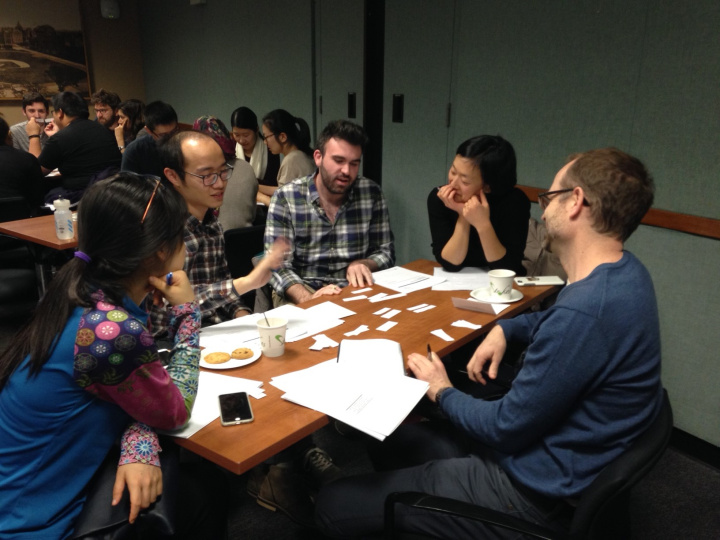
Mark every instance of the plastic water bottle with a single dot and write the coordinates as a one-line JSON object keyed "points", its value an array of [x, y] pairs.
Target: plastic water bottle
{"points": [[63, 219]]}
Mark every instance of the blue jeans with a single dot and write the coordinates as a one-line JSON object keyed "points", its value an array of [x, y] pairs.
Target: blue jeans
{"points": [[440, 463]]}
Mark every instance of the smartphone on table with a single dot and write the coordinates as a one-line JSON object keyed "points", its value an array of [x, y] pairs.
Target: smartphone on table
{"points": [[235, 409]]}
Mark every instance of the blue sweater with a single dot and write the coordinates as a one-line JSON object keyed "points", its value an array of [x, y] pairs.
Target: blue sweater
{"points": [[589, 386]]}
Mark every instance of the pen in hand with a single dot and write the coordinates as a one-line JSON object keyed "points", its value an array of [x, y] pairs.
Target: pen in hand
{"points": [[168, 278], [429, 353]]}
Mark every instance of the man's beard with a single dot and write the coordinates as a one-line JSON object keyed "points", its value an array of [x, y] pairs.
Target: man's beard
{"points": [[328, 182]]}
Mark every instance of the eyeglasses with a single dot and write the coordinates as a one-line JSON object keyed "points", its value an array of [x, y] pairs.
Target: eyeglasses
{"points": [[210, 179], [157, 185], [544, 198], [265, 137]]}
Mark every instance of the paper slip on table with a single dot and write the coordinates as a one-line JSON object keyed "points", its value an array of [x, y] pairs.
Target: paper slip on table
{"points": [[279, 423]]}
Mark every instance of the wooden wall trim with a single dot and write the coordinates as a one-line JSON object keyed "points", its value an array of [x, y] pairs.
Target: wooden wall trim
{"points": [[700, 226]]}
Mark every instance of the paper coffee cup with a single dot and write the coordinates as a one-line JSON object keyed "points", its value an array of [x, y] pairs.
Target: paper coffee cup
{"points": [[501, 284], [272, 336]]}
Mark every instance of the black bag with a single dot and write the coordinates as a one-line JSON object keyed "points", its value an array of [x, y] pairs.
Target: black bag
{"points": [[99, 520]]}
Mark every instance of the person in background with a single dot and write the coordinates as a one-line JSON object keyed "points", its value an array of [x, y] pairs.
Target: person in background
{"points": [[85, 372], [35, 108], [479, 218], [80, 149], [142, 155], [589, 386], [238, 208], [106, 106], [130, 122], [20, 174], [251, 148], [285, 134]]}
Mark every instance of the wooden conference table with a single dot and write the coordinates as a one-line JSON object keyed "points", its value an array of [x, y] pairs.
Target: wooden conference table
{"points": [[279, 423]]}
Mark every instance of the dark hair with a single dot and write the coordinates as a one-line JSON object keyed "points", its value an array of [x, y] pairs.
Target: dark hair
{"points": [[495, 159], [111, 99], [34, 97], [216, 129], [296, 129], [120, 246], [4, 130], [243, 118], [159, 113], [345, 131], [617, 186], [171, 150], [71, 104], [133, 109]]}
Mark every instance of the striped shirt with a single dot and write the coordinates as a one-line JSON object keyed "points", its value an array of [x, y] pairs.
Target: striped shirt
{"points": [[321, 250]]}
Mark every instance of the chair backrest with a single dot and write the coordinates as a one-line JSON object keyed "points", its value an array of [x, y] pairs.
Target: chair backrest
{"points": [[603, 508], [241, 245]]}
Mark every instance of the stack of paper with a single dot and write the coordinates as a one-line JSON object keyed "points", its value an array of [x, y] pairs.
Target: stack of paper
{"points": [[367, 388], [207, 408]]}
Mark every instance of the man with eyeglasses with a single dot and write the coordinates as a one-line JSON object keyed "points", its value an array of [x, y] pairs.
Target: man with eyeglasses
{"points": [[142, 156], [589, 386], [196, 167]]}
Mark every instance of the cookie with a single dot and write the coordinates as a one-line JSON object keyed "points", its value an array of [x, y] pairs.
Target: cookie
{"points": [[243, 353], [217, 358]]}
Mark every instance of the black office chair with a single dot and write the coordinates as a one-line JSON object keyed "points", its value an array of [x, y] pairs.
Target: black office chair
{"points": [[18, 280], [241, 245], [603, 509]]}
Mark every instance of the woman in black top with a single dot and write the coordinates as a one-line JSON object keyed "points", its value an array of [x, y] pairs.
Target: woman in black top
{"points": [[480, 218]]}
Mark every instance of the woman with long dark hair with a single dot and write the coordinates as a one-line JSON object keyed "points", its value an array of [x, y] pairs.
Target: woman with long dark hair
{"points": [[85, 370], [130, 122], [479, 218], [285, 134]]}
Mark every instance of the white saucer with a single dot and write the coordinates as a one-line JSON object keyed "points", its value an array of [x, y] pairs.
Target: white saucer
{"points": [[230, 364], [483, 295]]}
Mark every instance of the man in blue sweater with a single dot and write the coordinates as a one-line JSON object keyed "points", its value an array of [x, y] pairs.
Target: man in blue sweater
{"points": [[589, 386]]}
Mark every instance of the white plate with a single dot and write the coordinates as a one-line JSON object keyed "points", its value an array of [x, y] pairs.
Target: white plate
{"points": [[230, 364], [483, 294]]}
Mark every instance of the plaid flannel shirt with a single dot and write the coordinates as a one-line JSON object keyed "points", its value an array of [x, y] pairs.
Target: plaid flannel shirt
{"points": [[322, 250], [208, 272]]}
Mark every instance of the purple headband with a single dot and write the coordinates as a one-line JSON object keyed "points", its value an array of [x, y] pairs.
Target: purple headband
{"points": [[84, 256]]}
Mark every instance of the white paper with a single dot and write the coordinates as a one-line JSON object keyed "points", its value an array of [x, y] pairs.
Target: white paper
{"points": [[442, 335], [322, 342], [301, 324], [387, 326], [388, 297], [381, 311], [390, 314], [352, 298], [377, 297], [329, 310], [465, 324], [359, 330], [426, 308], [467, 279], [401, 279], [206, 408], [419, 306], [481, 307], [366, 289]]}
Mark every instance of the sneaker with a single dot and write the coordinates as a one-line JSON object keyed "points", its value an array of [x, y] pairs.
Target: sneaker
{"points": [[319, 466], [285, 490]]}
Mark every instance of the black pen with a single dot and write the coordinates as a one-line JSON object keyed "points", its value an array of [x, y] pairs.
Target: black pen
{"points": [[338, 356], [429, 353]]}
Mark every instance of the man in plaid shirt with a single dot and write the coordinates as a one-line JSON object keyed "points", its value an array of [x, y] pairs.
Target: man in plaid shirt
{"points": [[196, 167], [337, 223]]}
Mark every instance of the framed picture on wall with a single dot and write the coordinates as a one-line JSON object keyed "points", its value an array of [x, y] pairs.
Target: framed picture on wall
{"points": [[41, 49]]}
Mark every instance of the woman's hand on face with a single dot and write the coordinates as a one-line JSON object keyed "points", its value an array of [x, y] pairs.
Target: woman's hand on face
{"points": [[477, 211], [447, 195], [178, 291]]}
